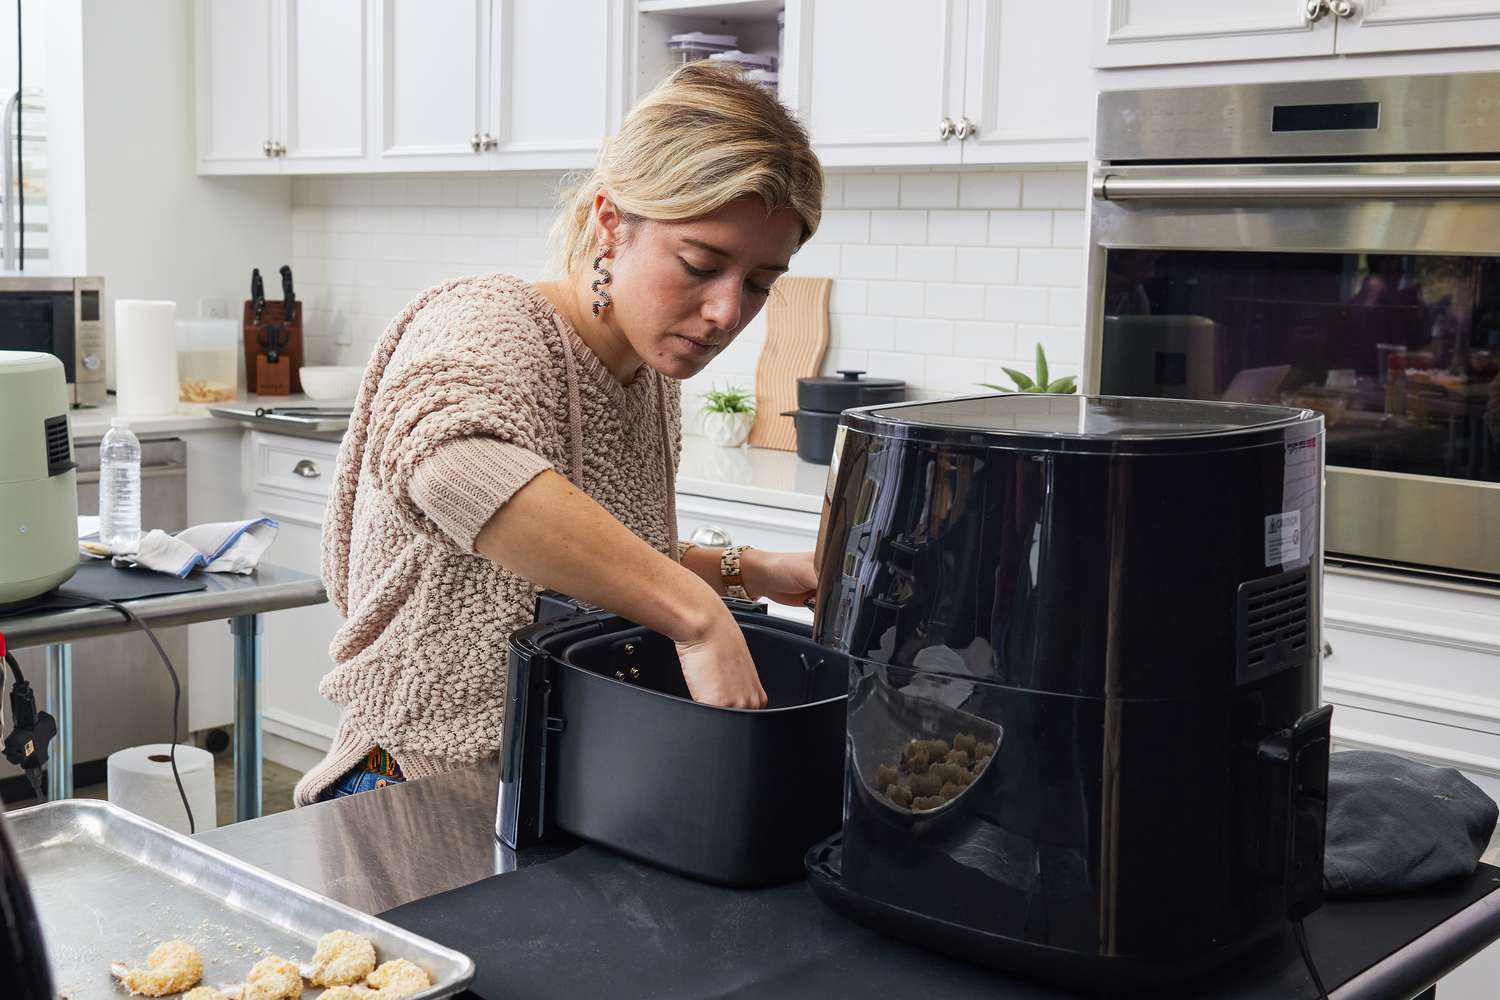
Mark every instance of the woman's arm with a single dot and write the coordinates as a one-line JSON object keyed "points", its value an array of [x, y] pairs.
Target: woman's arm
{"points": [[556, 536], [784, 577]]}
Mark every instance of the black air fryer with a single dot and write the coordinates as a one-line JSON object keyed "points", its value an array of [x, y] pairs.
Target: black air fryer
{"points": [[602, 740], [1097, 621]]}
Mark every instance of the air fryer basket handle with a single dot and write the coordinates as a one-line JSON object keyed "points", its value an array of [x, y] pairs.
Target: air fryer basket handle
{"points": [[1298, 761]]}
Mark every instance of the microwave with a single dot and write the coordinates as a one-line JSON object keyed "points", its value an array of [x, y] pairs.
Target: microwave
{"points": [[61, 316]]}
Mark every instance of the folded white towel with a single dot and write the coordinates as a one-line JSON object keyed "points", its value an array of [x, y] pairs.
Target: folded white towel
{"points": [[224, 547]]}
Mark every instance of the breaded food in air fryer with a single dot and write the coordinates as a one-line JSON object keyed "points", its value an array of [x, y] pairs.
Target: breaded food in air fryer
{"points": [[342, 958], [945, 772], [399, 978], [272, 978], [917, 761], [926, 802], [348, 993], [172, 967], [983, 750], [886, 776], [204, 993], [925, 785], [965, 742], [900, 795], [959, 758], [950, 791]]}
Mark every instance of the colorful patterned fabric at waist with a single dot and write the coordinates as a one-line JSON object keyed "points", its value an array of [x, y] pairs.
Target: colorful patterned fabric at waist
{"points": [[377, 761]]}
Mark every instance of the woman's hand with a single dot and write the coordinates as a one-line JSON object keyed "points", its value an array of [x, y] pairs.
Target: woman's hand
{"points": [[783, 577], [718, 667]]}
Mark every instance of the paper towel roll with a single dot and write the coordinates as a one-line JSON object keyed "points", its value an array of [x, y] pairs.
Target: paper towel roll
{"points": [[145, 358], [140, 780]]}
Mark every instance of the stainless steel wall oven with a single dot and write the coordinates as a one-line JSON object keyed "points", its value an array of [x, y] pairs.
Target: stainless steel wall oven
{"points": [[1331, 245]]}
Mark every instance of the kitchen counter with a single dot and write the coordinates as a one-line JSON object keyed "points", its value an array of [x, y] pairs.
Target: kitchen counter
{"points": [[91, 423], [762, 476], [382, 849]]}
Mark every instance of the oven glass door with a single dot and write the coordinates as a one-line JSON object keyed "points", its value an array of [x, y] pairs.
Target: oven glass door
{"points": [[1399, 351], [39, 321]]}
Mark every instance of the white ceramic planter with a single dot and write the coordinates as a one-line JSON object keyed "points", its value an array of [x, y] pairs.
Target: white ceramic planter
{"points": [[727, 430]]}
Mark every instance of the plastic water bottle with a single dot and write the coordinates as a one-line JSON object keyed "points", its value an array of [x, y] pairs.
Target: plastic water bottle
{"points": [[120, 488]]}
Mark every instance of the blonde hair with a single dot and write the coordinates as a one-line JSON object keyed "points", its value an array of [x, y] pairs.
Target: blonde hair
{"points": [[701, 139]]}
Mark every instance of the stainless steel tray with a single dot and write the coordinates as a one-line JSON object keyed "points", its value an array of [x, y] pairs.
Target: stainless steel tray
{"points": [[110, 885]]}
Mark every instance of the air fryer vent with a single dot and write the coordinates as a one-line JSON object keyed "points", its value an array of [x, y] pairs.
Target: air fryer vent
{"points": [[1273, 625], [59, 454]]}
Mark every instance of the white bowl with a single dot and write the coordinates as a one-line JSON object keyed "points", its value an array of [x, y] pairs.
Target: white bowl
{"points": [[331, 381]]}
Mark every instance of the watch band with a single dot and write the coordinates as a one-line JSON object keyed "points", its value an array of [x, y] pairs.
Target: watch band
{"points": [[729, 569]]}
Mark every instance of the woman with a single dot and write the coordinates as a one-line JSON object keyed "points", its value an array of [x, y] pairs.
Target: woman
{"points": [[509, 437]]}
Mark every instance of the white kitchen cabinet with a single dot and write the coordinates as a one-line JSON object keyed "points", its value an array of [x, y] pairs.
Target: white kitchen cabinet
{"points": [[289, 483], [968, 81], [322, 96], [555, 91], [432, 64], [1158, 32], [1130, 33], [281, 85], [235, 72], [1409, 25]]}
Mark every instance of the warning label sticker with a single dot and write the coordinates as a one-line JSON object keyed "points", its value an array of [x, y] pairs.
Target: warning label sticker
{"points": [[1283, 538]]}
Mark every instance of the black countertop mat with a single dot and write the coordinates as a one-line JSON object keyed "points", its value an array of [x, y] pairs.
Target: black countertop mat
{"points": [[593, 924], [98, 578]]}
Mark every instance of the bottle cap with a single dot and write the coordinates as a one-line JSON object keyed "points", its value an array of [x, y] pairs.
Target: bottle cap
{"points": [[120, 422]]}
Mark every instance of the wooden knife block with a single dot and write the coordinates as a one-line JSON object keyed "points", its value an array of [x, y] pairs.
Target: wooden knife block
{"points": [[271, 315]]}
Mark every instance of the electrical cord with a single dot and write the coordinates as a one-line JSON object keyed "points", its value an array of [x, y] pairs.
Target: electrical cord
{"points": [[26, 743], [1299, 931], [166, 660]]}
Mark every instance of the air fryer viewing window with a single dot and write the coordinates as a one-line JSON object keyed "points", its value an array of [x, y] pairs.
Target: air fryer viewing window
{"points": [[1400, 353]]}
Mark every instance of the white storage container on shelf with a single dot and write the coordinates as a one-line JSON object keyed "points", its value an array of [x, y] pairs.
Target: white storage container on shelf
{"points": [[208, 360], [745, 62], [694, 45]]}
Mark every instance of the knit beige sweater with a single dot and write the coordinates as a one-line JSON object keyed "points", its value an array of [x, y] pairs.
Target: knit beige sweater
{"points": [[473, 390]]}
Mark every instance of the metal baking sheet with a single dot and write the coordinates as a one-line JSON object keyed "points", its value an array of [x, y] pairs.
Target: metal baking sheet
{"points": [[110, 886]]}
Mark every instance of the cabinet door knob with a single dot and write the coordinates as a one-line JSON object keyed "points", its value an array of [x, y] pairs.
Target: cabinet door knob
{"points": [[1341, 8], [945, 129], [488, 141], [277, 149], [306, 469], [475, 142], [711, 537], [964, 129], [267, 146]]}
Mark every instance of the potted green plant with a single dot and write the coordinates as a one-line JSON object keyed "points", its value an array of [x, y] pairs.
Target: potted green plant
{"points": [[1041, 383], [727, 415]]}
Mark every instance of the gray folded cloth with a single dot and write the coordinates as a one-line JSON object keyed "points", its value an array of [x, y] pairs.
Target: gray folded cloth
{"points": [[1395, 825]]}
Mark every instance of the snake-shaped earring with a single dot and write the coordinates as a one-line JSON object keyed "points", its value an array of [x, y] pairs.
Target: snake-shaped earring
{"points": [[603, 301]]}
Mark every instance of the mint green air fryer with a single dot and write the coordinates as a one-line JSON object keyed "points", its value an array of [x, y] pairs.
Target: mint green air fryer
{"points": [[38, 487]]}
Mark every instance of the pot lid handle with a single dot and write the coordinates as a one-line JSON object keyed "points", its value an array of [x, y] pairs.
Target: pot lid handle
{"points": [[851, 374]]}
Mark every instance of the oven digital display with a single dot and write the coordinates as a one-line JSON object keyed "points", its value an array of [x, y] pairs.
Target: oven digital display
{"points": [[1325, 117]]}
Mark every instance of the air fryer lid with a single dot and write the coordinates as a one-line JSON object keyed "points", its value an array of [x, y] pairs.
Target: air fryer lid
{"points": [[1087, 423], [834, 395]]}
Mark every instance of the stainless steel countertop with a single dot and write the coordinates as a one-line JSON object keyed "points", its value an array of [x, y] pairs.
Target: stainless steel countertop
{"points": [[269, 588], [382, 848]]}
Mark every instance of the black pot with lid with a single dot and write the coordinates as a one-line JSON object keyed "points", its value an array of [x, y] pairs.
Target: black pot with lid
{"points": [[822, 398]]}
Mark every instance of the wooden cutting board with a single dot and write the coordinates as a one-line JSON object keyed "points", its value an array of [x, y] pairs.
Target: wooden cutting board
{"points": [[796, 341]]}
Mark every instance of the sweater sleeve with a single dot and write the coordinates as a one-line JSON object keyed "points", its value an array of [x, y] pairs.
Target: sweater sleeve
{"points": [[461, 418], [466, 480]]}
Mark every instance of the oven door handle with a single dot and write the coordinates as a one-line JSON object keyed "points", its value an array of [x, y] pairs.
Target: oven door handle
{"points": [[1325, 187]]}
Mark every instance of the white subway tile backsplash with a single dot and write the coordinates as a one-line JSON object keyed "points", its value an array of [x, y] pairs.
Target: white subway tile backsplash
{"points": [[848, 296], [986, 265], [925, 264], [871, 191], [905, 226], [911, 368], [1063, 346], [845, 226], [1050, 267], [873, 333], [869, 262], [929, 191], [1015, 304], [990, 189], [941, 275], [1053, 189], [896, 298], [928, 336], [1021, 229], [1066, 308], [1069, 229], [960, 228], [985, 340], [955, 301]]}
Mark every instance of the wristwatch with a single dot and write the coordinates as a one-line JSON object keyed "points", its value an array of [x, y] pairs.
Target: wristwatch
{"points": [[729, 569]]}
